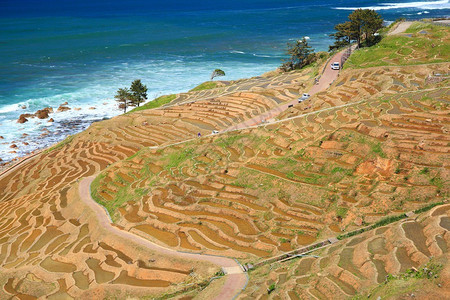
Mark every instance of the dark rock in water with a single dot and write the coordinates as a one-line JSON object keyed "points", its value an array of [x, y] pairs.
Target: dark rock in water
{"points": [[42, 113], [92, 107], [51, 120], [62, 108], [24, 107], [105, 118], [25, 143], [22, 118], [13, 146], [65, 103], [1, 138]]}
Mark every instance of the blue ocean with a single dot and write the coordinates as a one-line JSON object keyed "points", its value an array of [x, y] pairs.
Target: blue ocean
{"points": [[81, 52]]}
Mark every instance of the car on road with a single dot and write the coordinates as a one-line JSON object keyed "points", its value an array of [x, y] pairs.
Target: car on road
{"points": [[215, 132], [303, 97], [335, 66]]}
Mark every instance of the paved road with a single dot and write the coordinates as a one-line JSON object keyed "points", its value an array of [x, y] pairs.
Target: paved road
{"points": [[326, 79], [236, 279]]}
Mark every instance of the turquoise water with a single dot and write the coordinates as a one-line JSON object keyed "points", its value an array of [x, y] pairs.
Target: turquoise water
{"points": [[82, 52]]}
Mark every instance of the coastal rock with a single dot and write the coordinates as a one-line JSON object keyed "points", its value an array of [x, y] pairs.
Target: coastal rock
{"points": [[65, 103], [13, 146], [77, 108], [51, 120], [22, 119], [42, 113], [1, 138], [24, 107], [62, 108], [24, 134], [25, 143], [92, 107]]}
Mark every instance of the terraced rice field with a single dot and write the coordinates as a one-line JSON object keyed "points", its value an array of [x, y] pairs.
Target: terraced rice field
{"points": [[260, 191], [356, 85], [376, 143], [50, 243], [354, 265]]}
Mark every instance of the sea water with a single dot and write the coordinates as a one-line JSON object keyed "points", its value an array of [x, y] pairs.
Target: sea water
{"points": [[82, 51]]}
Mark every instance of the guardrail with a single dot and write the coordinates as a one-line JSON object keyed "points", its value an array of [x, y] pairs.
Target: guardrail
{"points": [[347, 54]]}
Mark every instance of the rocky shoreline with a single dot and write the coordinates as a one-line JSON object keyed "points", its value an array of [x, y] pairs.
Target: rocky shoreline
{"points": [[47, 136]]}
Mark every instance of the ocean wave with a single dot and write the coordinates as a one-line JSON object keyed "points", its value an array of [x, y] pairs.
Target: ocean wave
{"points": [[441, 4], [237, 52], [261, 55]]}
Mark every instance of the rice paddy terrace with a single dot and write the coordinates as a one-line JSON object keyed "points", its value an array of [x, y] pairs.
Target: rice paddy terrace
{"points": [[259, 191], [51, 244], [375, 143], [354, 266]]}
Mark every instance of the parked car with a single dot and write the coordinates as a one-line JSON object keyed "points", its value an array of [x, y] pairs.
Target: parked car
{"points": [[335, 66], [215, 132], [303, 97]]}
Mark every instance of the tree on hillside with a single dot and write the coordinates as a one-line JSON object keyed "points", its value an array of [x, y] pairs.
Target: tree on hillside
{"points": [[217, 73], [123, 96], [344, 35], [301, 54], [362, 25], [138, 92], [365, 22]]}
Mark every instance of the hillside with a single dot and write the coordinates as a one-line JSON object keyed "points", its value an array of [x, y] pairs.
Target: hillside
{"points": [[374, 144]]}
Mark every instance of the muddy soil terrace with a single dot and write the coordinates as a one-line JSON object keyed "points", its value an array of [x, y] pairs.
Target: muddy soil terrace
{"points": [[375, 142]]}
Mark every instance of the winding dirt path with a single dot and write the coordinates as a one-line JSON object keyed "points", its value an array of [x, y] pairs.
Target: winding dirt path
{"points": [[236, 279], [327, 78], [400, 28]]}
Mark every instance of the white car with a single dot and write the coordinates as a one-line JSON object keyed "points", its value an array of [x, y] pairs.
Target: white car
{"points": [[303, 97], [215, 132], [335, 66]]}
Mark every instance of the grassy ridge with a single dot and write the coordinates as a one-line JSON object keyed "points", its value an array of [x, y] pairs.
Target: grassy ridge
{"points": [[420, 44], [207, 85], [160, 101]]}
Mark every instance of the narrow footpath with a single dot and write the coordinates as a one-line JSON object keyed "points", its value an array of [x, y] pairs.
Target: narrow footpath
{"points": [[236, 279]]}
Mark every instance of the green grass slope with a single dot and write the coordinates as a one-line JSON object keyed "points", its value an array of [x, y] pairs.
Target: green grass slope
{"points": [[422, 43]]}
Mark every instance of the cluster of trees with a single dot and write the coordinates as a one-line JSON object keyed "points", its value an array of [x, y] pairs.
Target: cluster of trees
{"points": [[361, 26], [300, 55], [133, 96]]}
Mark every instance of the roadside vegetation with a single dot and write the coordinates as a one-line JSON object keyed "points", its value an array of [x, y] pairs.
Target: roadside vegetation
{"points": [[362, 28]]}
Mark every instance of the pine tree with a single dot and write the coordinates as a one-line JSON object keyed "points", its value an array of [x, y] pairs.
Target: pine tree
{"points": [[301, 54], [138, 92], [362, 25], [217, 73], [123, 96]]}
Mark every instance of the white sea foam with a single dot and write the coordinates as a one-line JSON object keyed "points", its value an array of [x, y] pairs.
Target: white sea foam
{"points": [[260, 55], [441, 4]]}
